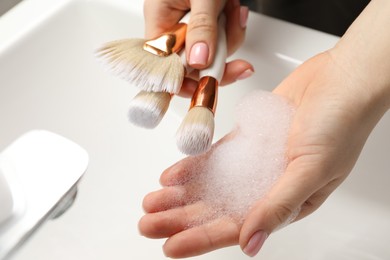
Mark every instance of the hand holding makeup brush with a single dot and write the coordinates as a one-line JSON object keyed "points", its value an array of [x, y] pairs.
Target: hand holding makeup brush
{"points": [[147, 109], [201, 36]]}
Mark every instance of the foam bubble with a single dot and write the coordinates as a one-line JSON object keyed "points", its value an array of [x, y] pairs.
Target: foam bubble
{"points": [[239, 171]]}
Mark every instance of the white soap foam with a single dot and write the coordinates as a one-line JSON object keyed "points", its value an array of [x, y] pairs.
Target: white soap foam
{"points": [[240, 170]]}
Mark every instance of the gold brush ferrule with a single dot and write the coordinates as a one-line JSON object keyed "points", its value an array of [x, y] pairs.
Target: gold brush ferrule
{"points": [[169, 42], [206, 94]]}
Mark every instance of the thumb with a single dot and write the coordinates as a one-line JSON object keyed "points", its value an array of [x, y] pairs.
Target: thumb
{"points": [[282, 205], [161, 15], [202, 32]]}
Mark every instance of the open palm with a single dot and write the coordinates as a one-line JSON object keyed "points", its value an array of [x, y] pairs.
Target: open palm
{"points": [[335, 113]]}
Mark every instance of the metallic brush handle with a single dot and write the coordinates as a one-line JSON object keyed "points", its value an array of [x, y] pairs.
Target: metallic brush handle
{"points": [[169, 42], [206, 94]]}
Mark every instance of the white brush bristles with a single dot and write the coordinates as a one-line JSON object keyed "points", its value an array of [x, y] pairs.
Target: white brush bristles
{"points": [[148, 108], [127, 59], [195, 134]]}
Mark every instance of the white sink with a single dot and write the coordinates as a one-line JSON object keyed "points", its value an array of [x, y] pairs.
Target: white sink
{"points": [[50, 80]]}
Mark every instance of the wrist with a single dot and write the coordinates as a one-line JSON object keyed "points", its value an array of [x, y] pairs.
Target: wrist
{"points": [[370, 76], [364, 50]]}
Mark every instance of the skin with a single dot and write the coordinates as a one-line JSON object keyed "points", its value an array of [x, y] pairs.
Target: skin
{"points": [[340, 95], [160, 15]]}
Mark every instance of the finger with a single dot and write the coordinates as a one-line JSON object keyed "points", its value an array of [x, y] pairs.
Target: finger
{"points": [[316, 200], [202, 32], [176, 174], [237, 17], [182, 171], [202, 239], [161, 15], [188, 88], [164, 199], [167, 223], [300, 181], [236, 70]]}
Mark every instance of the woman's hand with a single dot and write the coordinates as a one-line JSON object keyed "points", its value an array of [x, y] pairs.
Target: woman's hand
{"points": [[160, 15], [336, 112]]}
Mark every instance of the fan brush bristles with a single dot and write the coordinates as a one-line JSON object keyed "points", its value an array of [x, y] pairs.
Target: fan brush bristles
{"points": [[127, 59], [148, 108], [196, 132]]}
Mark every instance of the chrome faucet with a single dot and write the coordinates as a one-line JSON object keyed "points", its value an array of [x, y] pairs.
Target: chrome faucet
{"points": [[39, 173]]}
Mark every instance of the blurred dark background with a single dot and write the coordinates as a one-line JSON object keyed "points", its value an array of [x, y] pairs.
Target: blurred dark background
{"points": [[331, 16], [5, 5]]}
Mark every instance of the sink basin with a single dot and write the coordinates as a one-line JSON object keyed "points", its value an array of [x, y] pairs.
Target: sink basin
{"points": [[49, 79]]}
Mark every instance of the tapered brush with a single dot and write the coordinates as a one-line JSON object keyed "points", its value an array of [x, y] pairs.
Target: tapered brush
{"points": [[148, 108], [196, 132], [152, 65]]}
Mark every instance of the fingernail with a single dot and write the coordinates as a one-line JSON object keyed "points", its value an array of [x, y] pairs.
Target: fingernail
{"points": [[199, 54], [244, 13], [245, 74], [255, 243]]}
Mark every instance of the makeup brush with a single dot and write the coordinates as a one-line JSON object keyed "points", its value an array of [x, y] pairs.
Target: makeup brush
{"points": [[196, 132], [152, 65], [148, 108]]}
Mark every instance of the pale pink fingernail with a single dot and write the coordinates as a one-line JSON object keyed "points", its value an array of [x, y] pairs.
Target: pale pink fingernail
{"points": [[255, 243], [199, 54], [244, 13], [245, 74]]}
